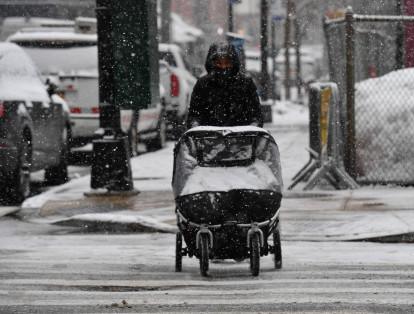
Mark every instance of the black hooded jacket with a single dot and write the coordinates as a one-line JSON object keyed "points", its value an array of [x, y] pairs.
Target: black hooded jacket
{"points": [[224, 99]]}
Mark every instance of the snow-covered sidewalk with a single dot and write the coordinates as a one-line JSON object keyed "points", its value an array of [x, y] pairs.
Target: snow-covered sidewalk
{"points": [[317, 215]]}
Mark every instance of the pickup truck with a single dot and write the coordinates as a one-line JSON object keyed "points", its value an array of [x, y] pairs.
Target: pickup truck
{"points": [[181, 87], [70, 60]]}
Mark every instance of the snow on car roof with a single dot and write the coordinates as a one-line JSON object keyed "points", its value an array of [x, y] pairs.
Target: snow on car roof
{"points": [[19, 78], [42, 29], [16, 20], [45, 35], [14, 62], [60, 52]]}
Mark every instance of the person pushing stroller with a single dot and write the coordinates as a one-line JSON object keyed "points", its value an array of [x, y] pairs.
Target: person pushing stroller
{"points": [[224, 96], [227, 179]]}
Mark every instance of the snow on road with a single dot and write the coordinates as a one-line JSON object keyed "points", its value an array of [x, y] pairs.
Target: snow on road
{"points": [[59, 273]]}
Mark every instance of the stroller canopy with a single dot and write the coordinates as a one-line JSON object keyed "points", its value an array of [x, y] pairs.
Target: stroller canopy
{"points": [[221, 159]]}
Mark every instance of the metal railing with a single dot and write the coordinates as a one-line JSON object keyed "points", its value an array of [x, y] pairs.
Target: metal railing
{"points": [[365, 53]]}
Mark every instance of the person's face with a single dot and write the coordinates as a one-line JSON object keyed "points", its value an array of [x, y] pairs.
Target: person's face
{"points": [[223, 63]]}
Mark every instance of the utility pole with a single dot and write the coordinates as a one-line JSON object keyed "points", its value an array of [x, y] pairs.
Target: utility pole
{"points": [[230, 16], [111, 167], [273, 56], [277, 16], [298, 55], [264, 9], [109, 113], [165, 21], [289, 13], [350, 146]]}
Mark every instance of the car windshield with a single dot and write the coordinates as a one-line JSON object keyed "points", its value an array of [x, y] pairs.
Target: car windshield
{"points": [[67, 59]]}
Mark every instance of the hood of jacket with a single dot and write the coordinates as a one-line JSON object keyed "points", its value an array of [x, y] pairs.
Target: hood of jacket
{"points": [[222, 49]]}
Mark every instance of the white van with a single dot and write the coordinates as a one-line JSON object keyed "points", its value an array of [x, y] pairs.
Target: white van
{"points": [[70, 61]]}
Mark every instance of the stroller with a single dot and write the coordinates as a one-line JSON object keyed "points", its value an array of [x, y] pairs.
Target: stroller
{"points": [[227, 185]]}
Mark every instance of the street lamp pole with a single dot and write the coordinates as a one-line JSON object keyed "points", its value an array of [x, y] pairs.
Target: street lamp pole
{"points": [[109, 113], [273, 55], [287, 46], [128, 81], [111, 167], [264, 8]]}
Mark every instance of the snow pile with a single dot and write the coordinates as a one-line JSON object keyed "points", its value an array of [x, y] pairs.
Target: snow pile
{"points": [[384, 114]]}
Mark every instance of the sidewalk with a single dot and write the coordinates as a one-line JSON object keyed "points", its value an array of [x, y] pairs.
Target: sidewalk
{"points": [[367, 213]]}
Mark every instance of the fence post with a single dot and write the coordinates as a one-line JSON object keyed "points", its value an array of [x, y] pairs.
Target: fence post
{"points": [[399, 56], [350, 147]]}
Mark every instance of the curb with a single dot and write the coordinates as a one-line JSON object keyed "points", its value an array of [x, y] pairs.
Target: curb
{"points": [[115, 223], [7, 210]]}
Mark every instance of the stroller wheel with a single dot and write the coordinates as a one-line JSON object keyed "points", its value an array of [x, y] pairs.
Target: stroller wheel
{"points": [[255, 254], [203, 247], [277, 249], [178, 252]]}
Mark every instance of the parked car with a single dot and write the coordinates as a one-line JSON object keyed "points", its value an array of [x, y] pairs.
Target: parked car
{"points": [[254, 69], [34, 127], [70, 59], [181, 86]]}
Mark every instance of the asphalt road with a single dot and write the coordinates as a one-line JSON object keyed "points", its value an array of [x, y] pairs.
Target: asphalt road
{"points": [[48, 269]]}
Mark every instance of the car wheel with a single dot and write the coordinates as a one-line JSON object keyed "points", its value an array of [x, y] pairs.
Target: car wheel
{"points": [[59, 174], [160, 140], [178, 252], [133, 141], [19, 183]]}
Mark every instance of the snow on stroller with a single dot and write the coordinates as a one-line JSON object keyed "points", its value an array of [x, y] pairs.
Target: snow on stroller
{"points": [[227, 185]]}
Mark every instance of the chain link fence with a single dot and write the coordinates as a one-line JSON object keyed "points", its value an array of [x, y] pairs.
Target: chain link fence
{"points": [[366, 60]]}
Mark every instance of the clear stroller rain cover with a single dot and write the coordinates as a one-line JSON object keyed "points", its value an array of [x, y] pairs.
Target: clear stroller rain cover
{"points": [[221, 159]]}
